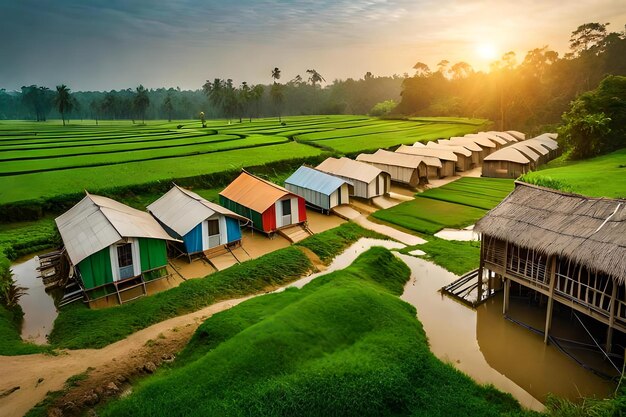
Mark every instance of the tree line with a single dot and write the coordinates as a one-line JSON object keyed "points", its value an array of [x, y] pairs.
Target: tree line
{"points": [[525, 96], [217, 98]]}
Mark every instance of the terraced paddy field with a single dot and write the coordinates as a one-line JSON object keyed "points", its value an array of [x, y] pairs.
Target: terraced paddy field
{"points": [[41, 161], [604, 176], [454, 205]]}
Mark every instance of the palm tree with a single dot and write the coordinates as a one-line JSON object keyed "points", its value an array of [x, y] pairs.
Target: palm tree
{"points": [[276, 74], [141, 101], [314, 77], [277, 92], [63, 101]]}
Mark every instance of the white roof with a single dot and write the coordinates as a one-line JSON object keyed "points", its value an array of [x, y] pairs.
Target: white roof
{"points": [[504, 135], [181, 210], [392, 158], [445, 155], [481, 140], [537, 146], [95, 223], [348, 168], [509, 154], [516, 134], [491, 136], [526, 150], [547, 141], [465, 142], [460, 150]]}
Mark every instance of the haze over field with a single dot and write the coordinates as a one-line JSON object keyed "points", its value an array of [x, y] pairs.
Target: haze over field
{"points": [[103, 45]]}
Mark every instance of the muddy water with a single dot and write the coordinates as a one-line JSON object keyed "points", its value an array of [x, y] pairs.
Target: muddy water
{"points": [[491, 349], [38, 306]]}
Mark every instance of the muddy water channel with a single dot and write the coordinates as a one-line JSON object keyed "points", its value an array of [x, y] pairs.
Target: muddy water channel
{"points": [[491, 349], [37, 304]]}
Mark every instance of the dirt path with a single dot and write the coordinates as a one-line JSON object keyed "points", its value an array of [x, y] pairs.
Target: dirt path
{"points": [[122, 358], [37, 374]]}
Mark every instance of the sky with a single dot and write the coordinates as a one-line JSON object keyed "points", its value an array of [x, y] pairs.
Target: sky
{"points": [[115, 44]]}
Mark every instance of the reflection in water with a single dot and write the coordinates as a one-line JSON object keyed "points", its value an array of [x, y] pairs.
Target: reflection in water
{"points": [[521, 354], [38, 306], [490, 348]]}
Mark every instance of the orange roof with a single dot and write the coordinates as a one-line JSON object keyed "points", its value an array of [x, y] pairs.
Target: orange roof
{"points": [[254, 192]]}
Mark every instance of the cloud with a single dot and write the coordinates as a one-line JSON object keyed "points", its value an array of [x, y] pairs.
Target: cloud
{"points": [[115, 43]]}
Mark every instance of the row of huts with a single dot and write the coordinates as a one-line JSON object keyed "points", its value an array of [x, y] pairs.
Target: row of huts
{"points": [[521, 157]]}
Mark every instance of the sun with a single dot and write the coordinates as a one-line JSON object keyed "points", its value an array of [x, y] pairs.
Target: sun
{"points": [[486, 51]]}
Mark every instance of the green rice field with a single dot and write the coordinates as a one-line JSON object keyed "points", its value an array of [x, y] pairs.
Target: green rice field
{"points": [[39, 161], [604, 176], [455, 205]]}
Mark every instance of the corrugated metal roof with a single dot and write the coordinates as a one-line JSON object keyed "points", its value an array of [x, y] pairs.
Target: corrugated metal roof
{"points": [[181, 210], [315, 180], [443, 154], [95, 223], [254, 192], [392, 158], [460, 150], [346, 167], [509, 154]]}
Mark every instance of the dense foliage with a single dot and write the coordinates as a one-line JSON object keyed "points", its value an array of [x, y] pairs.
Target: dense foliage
{"points": [[522, 96], [217, 98], [344, 345], [596, 121]]}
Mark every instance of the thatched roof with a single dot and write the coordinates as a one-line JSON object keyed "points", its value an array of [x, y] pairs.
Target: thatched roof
{"points": [[589, 231]]}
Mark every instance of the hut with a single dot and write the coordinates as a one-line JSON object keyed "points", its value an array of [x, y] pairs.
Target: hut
{"points": [[367, 180], [446, 158], [551, 144], [488, 145], [113, 248], [269, 206], [566, 248], [506, 163], [403, 168], [463, 155], [477, 152], [200, 224], [319, 189], [509, 138]]}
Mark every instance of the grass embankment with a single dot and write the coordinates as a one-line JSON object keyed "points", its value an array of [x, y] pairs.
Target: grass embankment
{"points": [[455, 205], [80, 327], [456, 256], [16, 240], [604, 176], [344, 345]]}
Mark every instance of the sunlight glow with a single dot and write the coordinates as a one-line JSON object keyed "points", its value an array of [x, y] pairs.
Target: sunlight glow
{"points": [[486, 51]]}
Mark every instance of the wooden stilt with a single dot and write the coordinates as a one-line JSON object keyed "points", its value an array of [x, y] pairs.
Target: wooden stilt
{"points": [[507, 294], [479, 298], [546, 334], [609, 334]]}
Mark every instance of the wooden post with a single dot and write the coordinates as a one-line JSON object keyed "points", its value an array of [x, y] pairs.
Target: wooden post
{"points": [[550, 298], [609, 335], [479, 297], [507, 294]]}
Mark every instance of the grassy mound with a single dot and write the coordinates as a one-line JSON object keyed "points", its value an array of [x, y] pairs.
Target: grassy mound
{"points": [[604, 176], [344, 345]]}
